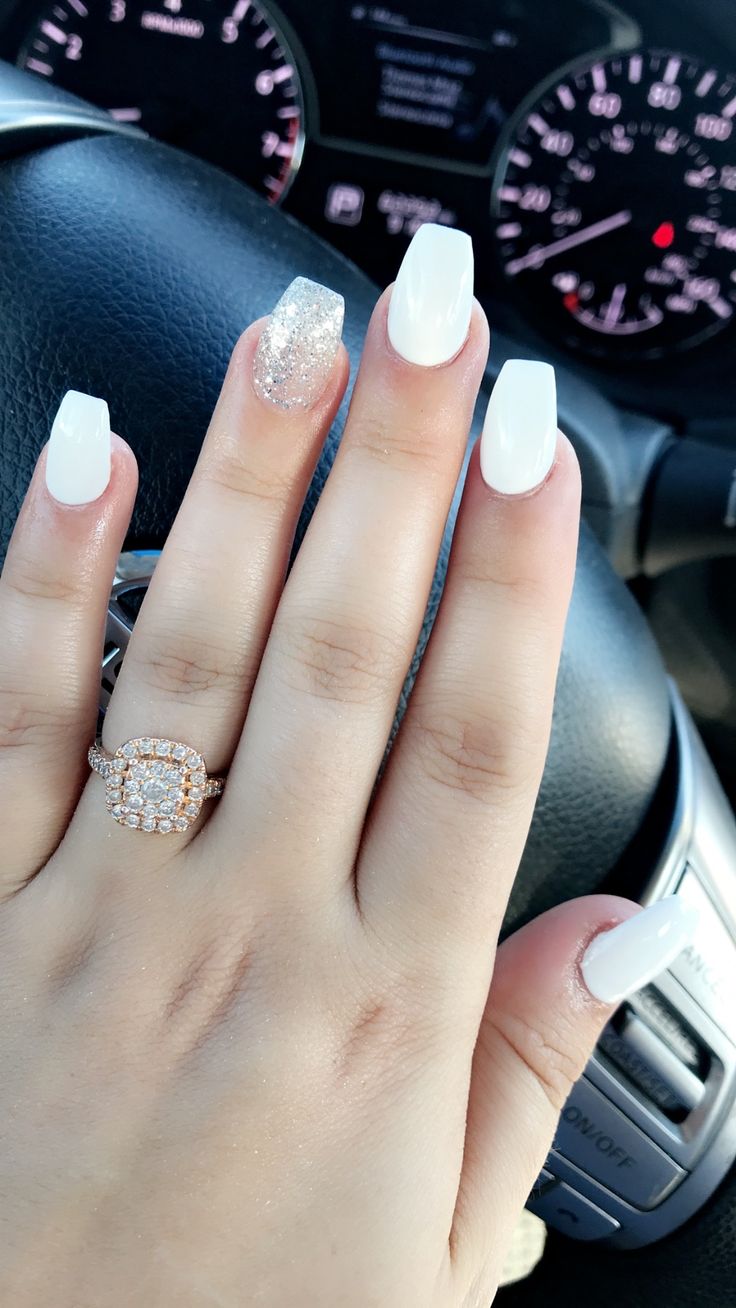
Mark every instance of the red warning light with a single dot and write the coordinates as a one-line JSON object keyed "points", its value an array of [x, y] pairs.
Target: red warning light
{"points": [[571, 301], [664, 236]]}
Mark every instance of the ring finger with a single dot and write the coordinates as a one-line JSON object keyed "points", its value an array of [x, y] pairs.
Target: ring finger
{"points": [[198, 640]]}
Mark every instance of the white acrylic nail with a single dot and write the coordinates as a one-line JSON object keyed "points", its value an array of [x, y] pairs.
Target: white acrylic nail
{"points": [[78, 455], [432, 299], [519, 440], [620, 961]]}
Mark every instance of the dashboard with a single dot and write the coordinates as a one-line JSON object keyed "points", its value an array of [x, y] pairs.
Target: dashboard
{"points": [[589, 148]]}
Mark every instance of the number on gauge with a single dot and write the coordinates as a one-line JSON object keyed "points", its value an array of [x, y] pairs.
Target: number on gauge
{"points": [[615, 204], [214, 77]]}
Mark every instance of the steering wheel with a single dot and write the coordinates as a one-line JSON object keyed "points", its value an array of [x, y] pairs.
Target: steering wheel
{"points": [[129, 270]]}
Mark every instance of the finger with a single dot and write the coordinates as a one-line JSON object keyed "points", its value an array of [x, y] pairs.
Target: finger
{"points": [[449, 824], [53, 600], [555, 984], [348, 622], [197, 643]]}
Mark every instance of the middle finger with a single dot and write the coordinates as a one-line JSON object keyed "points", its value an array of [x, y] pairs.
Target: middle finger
{"points": [[349, 618], [195, 650]]}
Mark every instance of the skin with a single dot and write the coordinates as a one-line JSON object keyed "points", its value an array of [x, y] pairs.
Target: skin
{"points": [[279, 1058]]}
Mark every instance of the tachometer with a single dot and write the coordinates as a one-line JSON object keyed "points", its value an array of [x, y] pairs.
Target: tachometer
{"points": [[615, 204], [212, 76]]}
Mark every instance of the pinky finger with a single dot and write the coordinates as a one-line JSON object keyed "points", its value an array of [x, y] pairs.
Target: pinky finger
{"points": [[53, 599], [555, 984]]}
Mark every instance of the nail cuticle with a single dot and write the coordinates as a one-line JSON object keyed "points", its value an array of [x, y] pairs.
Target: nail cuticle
{"points": [[431, 304], [403, 362], [619, 960], [519, 497], [519, 442]]}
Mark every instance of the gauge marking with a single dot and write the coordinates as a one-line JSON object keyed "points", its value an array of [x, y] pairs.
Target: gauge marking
{"points": [[215, 77], [706, 82], [537, 123], [125, 115], [670, 73], [625, 204], [54, 33], [615, 305]]}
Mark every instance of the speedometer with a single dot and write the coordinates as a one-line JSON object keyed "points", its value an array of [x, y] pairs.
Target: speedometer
{"points": [[214, 77], [615, 204]]}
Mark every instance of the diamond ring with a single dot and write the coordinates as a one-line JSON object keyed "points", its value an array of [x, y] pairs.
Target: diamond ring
{"points": [[153, 784]]}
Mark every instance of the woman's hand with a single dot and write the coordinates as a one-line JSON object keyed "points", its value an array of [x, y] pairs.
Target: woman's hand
{"points": [[275, 1058]]}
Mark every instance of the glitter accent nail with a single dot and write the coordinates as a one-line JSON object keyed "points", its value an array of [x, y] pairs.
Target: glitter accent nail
{"points": [[298, 345]]}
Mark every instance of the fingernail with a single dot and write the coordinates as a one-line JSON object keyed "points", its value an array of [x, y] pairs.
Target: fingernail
{"points": [[299, 344], [622, 960], [78, 454], [517, 447], [432, 298]]}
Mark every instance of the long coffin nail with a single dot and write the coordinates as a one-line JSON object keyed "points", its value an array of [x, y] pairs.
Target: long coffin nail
{"points": [[519, 438], [620, 961], [299, 344], [78, 454], [432, 299]]}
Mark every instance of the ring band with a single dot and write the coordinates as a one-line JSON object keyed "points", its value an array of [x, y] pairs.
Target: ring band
{"points": [[153, 784]]}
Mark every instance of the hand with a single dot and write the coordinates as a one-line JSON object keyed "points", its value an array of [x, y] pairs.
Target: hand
{"points": [[275, 1057]]}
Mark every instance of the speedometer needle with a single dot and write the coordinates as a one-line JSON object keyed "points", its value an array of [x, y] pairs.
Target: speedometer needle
{"points": [[536, 257]]}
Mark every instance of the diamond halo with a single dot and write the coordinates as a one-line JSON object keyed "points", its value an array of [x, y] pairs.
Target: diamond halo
{"points": [[152, 784]]}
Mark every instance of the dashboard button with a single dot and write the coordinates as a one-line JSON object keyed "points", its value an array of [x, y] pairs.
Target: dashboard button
{"points": [[597, 1137], [567, 1211], [651, 1065], [707, 968], [669, 1026]]}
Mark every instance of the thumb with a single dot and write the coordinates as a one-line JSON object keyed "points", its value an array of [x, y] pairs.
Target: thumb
{"points": [[555, 984]]}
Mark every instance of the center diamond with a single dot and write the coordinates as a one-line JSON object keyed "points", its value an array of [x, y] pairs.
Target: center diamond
{"points": [[154, 790]]}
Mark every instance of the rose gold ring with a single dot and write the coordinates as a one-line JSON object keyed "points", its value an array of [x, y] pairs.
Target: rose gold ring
{"points": [[153, 784]]}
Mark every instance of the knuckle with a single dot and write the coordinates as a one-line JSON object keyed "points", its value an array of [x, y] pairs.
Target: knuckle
{"points": [[177, 666], [340, 661], [467, 753], [407, 446], [549, 1053], [28, 583], [229, 472], [29, 723], [386, 1029], [525, 591]]}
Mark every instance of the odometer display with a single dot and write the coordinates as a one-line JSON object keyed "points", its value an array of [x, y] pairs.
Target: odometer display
{"points": [[214, 77], [615, 204]]}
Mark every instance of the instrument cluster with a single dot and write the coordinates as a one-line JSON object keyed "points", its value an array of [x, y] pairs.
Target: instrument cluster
{"points": [[595, 171]]}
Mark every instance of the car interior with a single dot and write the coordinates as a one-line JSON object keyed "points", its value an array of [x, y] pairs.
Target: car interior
{"points": [[166, 168]]}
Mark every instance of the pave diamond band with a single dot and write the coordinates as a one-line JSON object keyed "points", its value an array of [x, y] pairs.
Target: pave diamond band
{"points": [[152, 784]]}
